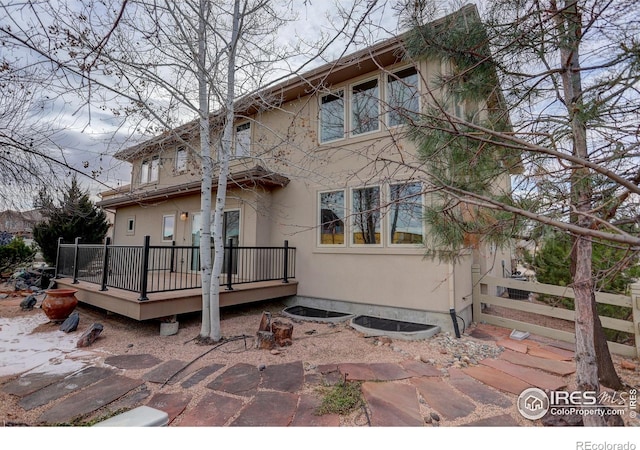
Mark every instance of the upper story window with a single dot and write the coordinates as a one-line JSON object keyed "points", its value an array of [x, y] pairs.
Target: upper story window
{"points": [[243, 140], [149, 170], [365, 107], [181, 159], [332, 117], [402, 96], [144, 172]]}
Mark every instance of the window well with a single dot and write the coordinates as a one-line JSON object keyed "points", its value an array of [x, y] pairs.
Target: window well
{"points": [[314, 314], [379, 326]]}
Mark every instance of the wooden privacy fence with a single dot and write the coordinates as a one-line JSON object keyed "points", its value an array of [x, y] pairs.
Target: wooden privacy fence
{"points": [[489, 291]]}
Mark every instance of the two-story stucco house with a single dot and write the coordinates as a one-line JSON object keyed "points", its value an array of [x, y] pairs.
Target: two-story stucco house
{"points": [[322, 161]]}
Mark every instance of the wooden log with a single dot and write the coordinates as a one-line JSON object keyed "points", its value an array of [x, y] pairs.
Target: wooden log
{"points": [[283, 333], [265, 340], [265, 322]]}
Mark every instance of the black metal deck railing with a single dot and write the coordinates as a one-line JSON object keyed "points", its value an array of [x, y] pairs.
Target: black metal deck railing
{"points": [[152, 268]]}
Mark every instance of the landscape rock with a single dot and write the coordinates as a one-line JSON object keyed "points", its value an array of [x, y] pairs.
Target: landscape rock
{"points": [[28, 303], [626, 364], [71, 323], [89, 336]]}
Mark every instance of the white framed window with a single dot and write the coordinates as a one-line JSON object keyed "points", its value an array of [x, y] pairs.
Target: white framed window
{"points": [[149, 170], [181, 159], [243, 140], [332, 117], [154, 169], [365, 107], [144, 172], [168, 227], [406, 214], [131, 225], [331, 216], [365, 210], [403, 96]]}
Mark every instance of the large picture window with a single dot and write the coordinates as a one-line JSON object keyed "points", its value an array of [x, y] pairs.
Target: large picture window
{"points": [[332, 210], [365, 205], [365, 107], [332, 117], [405, 214], [402, 96]]}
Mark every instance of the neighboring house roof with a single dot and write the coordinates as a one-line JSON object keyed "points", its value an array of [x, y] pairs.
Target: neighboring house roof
{"points": [[258, 176], [19, 222]]}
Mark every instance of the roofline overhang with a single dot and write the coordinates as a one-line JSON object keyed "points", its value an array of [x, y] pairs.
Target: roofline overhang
{"points": [[251, 178]]}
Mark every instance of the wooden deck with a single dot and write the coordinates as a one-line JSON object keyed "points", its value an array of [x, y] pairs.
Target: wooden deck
{"points": [[166, 304]]}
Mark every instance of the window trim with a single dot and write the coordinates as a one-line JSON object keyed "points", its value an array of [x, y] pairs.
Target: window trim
{"points": [[344, 219], [173, 235], [130, 228], [389, 212], [378, 104], [334, 93]]}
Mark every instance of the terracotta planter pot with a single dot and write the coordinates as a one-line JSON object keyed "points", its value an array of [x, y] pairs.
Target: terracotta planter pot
{"points": [[59, 303]]}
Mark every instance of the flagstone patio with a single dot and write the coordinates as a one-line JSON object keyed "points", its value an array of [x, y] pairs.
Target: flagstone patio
{"points": [[283, 394]]}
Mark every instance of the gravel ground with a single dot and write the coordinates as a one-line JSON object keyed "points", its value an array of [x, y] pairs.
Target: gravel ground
{"points": [[314, 343]]}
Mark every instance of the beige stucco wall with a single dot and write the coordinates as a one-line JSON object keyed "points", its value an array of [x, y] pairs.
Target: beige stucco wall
{"points": [[285, 140]]}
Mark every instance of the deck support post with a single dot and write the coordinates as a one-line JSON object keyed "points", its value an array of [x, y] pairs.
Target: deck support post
{"points": [[76, 255], [144, 278]]}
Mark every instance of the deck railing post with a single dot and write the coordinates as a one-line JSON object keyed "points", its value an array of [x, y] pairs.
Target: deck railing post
{"points": [[230, 266], [105, 264], [144, 276], [173, 254], [58, 257], [76, 256], [285, 279]]}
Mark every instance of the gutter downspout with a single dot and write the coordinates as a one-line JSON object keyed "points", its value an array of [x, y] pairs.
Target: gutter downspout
{"points": [[452, 301]]}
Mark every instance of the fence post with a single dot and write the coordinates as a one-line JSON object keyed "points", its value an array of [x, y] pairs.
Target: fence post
{"points": [[230, 265], [145, 269], [475, 292], [58, 258], [635, 307], [105, 264], [285, 279], [75, 261]]}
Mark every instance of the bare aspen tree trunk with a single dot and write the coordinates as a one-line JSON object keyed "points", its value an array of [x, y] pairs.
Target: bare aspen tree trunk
{"points": [[569, 28], [223, 175], [207, 170]]}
